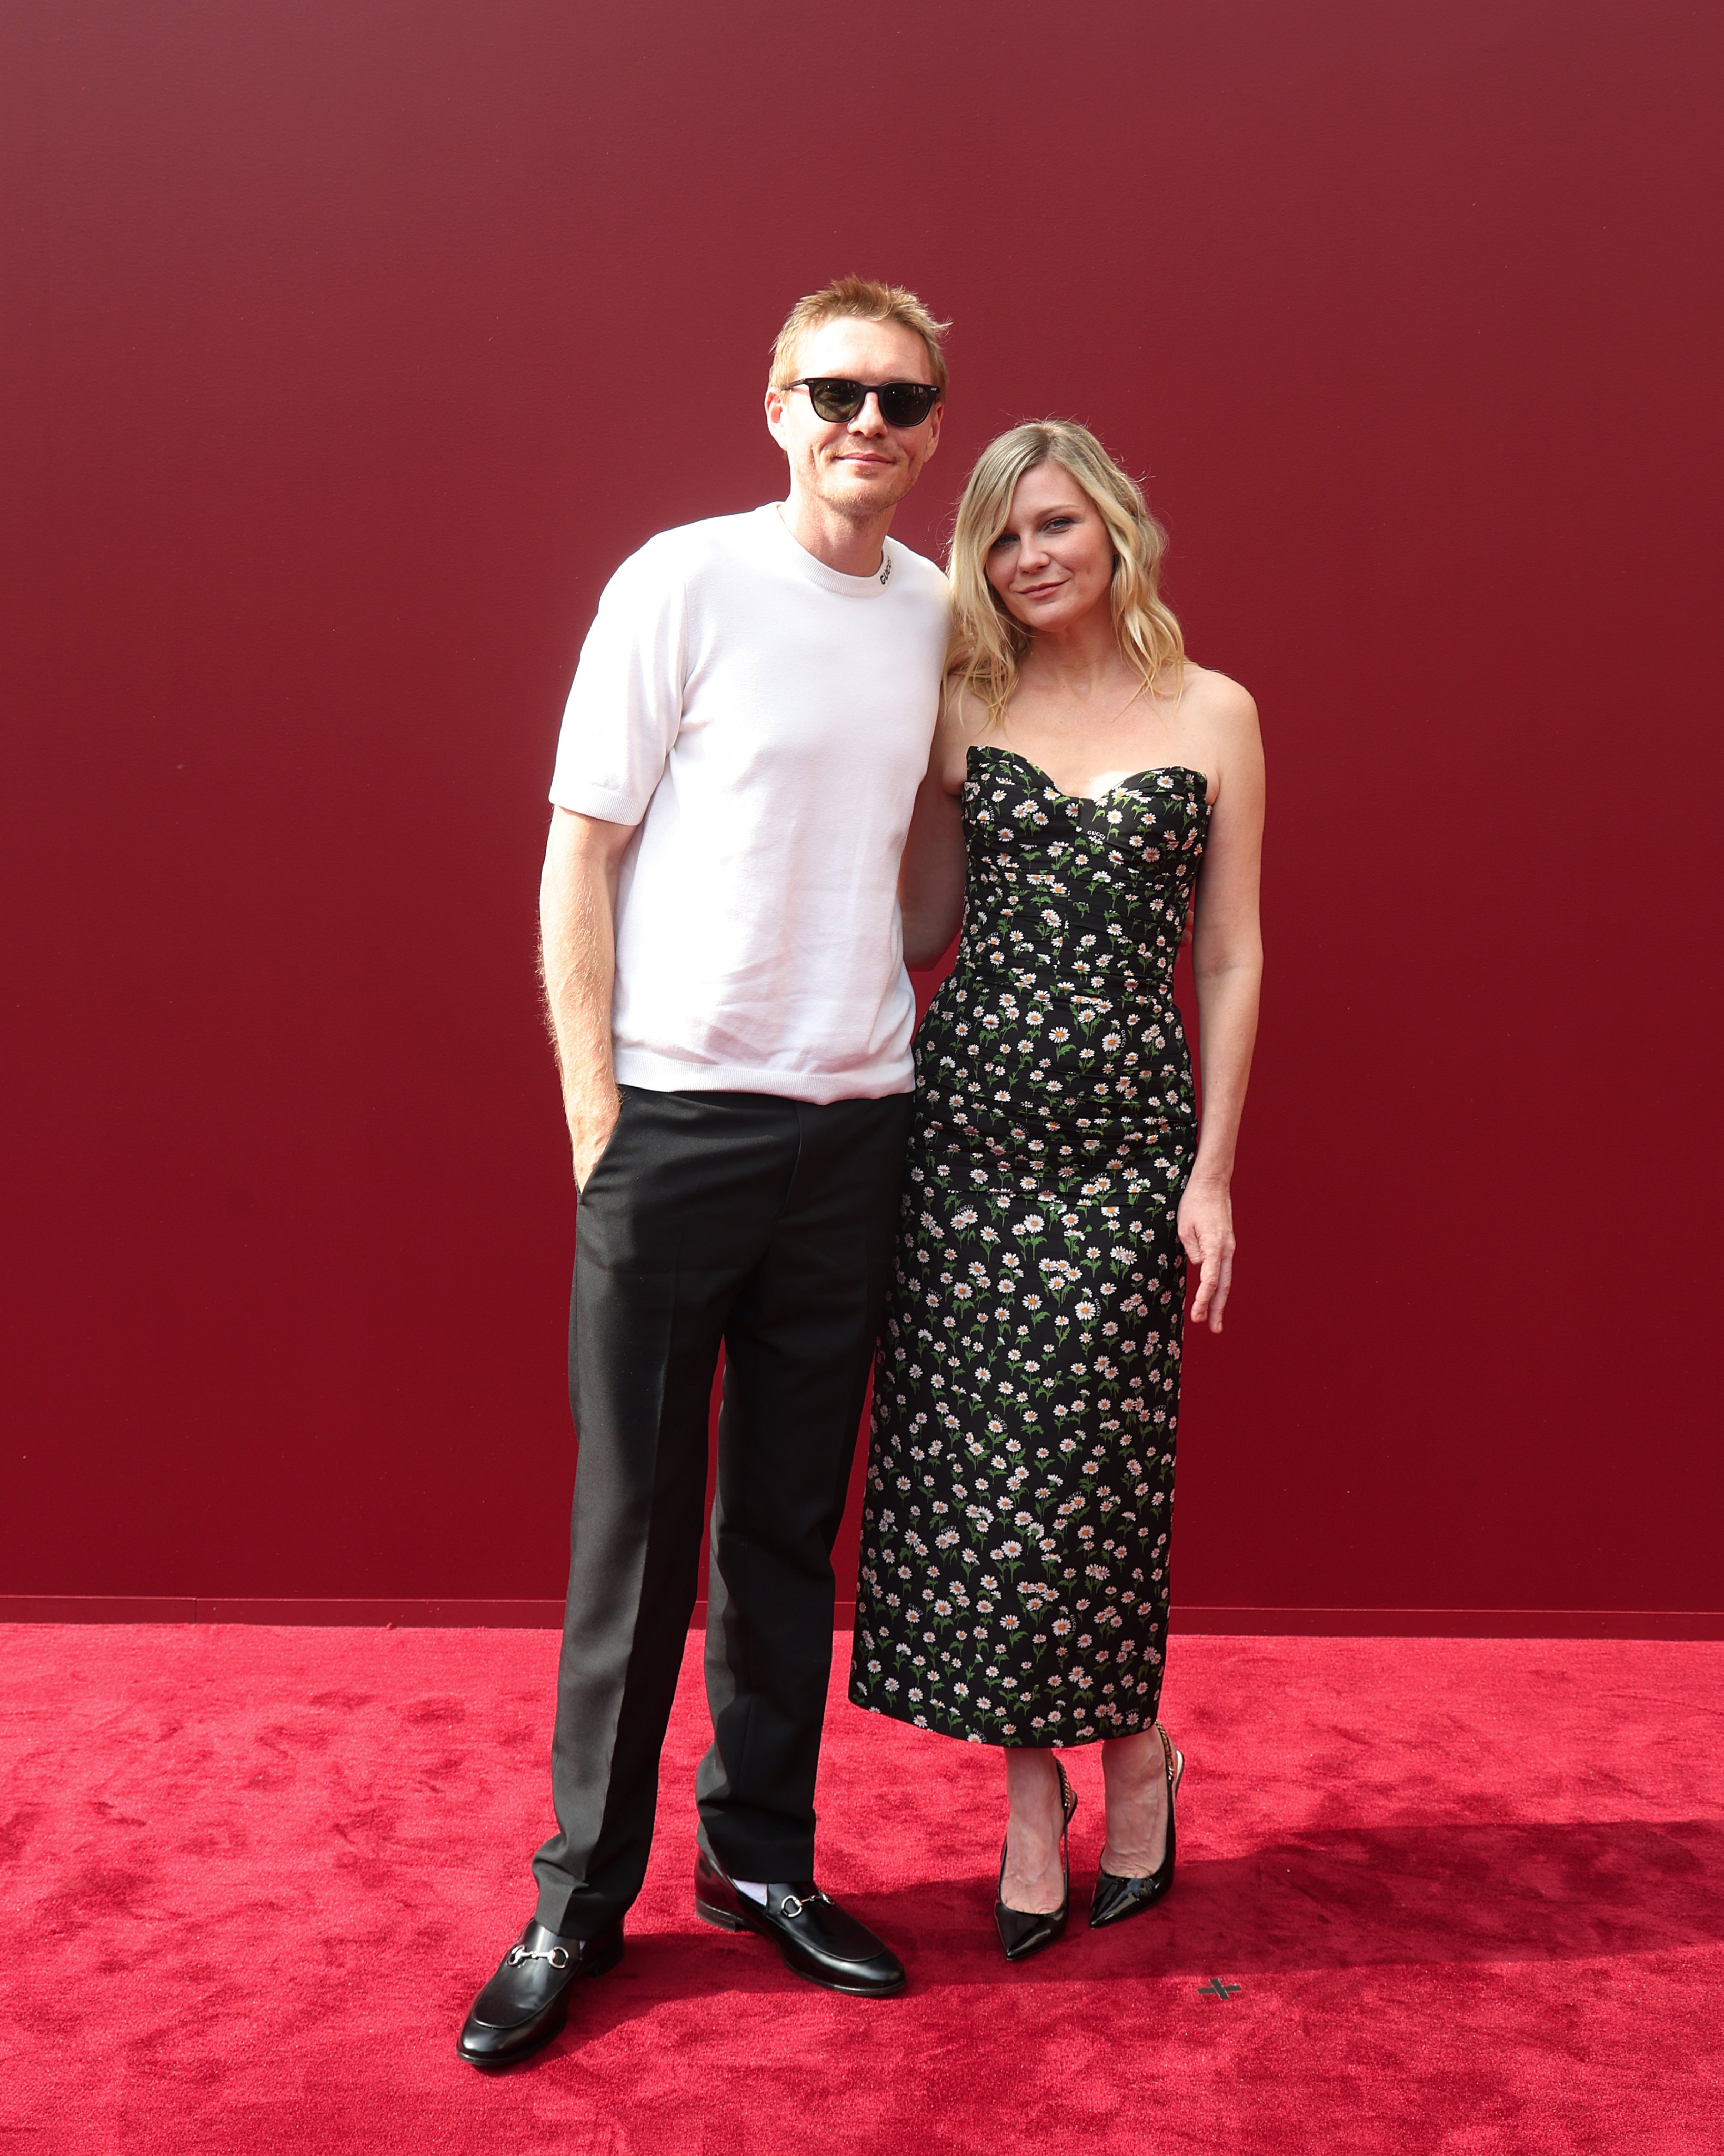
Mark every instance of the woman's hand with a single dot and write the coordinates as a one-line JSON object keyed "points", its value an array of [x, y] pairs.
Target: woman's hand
{"points": [[1206, 1233]]}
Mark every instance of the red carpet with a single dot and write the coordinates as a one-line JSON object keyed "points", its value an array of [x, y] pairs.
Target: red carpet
{"points": [[1470, 1893]]}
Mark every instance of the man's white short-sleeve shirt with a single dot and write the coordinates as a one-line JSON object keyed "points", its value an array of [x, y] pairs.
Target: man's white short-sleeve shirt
{"points": [[766, 720]]}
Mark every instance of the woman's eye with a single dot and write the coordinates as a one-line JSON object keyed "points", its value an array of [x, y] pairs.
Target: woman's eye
{"points": [[1005, 539]]}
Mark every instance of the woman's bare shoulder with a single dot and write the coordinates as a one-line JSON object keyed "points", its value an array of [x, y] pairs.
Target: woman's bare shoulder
{"points": [[961, 710], [1219, 718], [963, 722], [1216, 700]]}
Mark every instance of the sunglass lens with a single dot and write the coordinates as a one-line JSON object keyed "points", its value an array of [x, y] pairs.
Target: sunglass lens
{"points": [[836, 400], [907, 404]]}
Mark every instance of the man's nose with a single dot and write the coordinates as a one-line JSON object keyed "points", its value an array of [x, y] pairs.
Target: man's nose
{"points": [[869, 420]]}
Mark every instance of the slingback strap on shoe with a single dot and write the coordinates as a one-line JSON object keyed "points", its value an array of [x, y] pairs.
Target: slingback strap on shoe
{"points": [[1116, 1898], [1026, 1932]]}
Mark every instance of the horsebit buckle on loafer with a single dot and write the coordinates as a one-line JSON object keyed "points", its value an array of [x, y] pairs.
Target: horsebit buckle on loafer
{"points": [[792, 1905], [557, 1957]]}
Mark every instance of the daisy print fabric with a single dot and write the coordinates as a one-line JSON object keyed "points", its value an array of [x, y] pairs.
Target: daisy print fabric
{"points": [[1013, 1578]]}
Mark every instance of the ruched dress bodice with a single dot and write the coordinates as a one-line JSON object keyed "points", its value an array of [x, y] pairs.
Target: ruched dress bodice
{"points": [[1058, 1020]]}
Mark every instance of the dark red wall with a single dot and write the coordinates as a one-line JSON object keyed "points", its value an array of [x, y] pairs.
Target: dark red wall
{"points": [[350, 346]]}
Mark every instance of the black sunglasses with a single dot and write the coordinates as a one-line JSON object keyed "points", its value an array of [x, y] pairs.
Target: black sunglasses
{"points": [[902, 403]]}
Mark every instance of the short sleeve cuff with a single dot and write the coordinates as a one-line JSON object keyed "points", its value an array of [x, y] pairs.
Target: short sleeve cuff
{"points": [[609, 806]]}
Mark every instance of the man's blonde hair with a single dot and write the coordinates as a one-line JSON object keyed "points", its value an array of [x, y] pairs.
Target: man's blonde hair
{"points": [[989, 641], [859, 299]]}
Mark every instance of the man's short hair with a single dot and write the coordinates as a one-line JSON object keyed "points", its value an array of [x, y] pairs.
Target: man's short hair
{"points": [[860, 299]]}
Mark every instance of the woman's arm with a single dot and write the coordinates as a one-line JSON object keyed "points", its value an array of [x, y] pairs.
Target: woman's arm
{"points": [[1227, 961], [930, 876]]}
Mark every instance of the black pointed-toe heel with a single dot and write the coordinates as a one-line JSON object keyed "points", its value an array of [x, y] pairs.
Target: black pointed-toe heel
{"points": [[1117, 1898], [1025, 1931]]}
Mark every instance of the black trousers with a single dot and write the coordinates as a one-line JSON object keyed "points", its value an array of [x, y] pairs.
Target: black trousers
{"points": [[768, 1224]]}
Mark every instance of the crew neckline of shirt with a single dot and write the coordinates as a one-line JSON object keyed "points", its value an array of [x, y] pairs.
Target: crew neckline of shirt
{"points": [[816, 571]]}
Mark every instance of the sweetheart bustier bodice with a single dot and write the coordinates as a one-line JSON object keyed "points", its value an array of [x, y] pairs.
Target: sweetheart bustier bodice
{"points": [[1060, 1010]]}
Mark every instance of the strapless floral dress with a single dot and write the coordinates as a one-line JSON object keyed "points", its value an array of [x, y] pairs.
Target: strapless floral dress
{"points": [[1013, 1578]]}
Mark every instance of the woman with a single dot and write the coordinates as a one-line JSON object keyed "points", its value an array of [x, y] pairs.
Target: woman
{"points": [[1014, 1580]]}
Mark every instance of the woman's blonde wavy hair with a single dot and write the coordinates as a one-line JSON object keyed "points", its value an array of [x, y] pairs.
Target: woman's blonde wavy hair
{"points": [[988, 643]]}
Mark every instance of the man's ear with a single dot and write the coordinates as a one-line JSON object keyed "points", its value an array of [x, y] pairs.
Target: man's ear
{"points": [[775, 413]]}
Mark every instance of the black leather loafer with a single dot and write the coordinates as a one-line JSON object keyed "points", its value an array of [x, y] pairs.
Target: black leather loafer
{"points": [[526, 2002], [814, 1938]]}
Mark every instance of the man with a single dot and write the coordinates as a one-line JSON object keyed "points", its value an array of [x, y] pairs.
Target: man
{"points": [[746, 731]]}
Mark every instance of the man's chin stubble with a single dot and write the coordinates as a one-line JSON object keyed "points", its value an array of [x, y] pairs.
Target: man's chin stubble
{"points": [[859, 501]]}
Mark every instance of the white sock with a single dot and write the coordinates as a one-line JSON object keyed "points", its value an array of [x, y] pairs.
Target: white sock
{"points": [[753, 1888]]}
